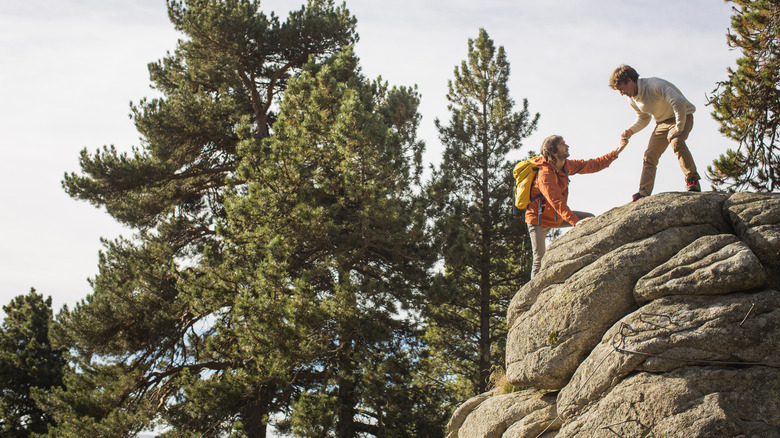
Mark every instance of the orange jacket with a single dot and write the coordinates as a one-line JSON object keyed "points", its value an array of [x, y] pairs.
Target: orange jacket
{"points": [[553, 185]]}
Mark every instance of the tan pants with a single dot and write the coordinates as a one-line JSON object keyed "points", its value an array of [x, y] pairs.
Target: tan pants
{"points": [[657, 145]]}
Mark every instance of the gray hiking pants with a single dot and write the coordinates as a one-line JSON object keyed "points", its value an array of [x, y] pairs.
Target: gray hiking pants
{"points": [[538, 235]]}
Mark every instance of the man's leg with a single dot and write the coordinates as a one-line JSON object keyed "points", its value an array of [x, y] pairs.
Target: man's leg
{"points": [[655, 147], [684, 156], [538, 233]]}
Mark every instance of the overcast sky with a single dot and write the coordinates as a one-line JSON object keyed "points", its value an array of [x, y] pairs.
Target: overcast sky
{"points": [[69, 69]]}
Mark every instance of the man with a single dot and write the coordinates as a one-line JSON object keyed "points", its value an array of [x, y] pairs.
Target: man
{"points": [[550, 192], [660, 100]]}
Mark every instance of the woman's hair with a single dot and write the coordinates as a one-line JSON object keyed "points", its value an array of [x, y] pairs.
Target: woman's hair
{"points": [[550, 147], [621, 75]]}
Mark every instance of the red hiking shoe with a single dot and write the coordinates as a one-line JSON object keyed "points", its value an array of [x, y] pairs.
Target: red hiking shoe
{"points": [[692, 185]]}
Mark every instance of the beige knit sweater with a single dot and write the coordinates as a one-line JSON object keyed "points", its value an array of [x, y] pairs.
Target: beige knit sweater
{"points": [[661, 100]]}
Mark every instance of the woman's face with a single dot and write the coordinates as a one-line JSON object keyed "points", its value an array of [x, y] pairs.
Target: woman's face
{"points": [[563, 151]]}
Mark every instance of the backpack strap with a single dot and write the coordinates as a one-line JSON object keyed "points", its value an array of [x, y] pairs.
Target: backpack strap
{"points": [[540, 208], [541, 201]]}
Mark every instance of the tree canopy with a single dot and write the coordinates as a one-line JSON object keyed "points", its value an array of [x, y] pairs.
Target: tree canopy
{"points": [[747, 105], [28, 363], [327, 248], [155, 341], [233, 65]]}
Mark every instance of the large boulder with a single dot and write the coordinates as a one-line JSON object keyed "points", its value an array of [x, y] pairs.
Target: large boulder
{"points": [[756, 220], [620, 226], [587, 280], [691, 402], [740, 329], [463, 411], [526, 413], [657, 318], [711, 265], [547, 343]]}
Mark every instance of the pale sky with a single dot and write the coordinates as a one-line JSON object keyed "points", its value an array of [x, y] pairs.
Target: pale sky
{"points": [[69, 69]]}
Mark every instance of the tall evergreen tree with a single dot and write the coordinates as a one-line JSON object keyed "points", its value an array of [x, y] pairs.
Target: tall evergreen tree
{"points": [[28, 362], [153, 342], [747, 105], [326, 246], [485, 250], [234, 64]]}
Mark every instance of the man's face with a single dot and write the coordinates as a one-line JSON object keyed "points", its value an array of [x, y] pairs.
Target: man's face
{"points": [[628, 88]]}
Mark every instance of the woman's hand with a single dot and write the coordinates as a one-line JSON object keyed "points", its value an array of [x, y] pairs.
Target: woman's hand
{"points": [[581, 221], [623, 144]]}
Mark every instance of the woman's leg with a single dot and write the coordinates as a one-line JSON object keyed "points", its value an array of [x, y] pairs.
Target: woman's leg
{"points": [[580, 214], [538, 233]]}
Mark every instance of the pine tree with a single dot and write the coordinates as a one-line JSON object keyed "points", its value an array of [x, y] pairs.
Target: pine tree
{"points": [[326, 244], [747, 105], [154, 341], [485, 250], [28, 363], [234, 65]]}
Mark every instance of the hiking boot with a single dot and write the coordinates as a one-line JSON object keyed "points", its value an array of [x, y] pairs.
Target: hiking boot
{"points": [[692, 185], [636, 197]]}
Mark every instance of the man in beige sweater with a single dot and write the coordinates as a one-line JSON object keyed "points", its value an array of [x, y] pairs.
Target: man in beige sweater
{"points": [[660, 100]]}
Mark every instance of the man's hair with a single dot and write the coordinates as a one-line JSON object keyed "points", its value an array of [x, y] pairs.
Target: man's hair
{"points": [[550, 147], [621, 75]]}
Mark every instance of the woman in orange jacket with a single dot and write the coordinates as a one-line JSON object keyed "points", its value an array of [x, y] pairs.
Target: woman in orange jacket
{"points": [[550, 192]]}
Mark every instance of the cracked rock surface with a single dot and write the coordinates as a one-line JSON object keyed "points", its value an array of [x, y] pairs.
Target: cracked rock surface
{"points": [[657, 318]]}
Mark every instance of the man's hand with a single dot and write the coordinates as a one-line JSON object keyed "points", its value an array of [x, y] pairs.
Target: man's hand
{"points": [[673, 133], [626, 134]]}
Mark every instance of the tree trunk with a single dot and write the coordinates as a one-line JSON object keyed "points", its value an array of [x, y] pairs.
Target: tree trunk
{"points": [[345, 404], [254, 416], [484, 332], [484, 275], [345, 410]]}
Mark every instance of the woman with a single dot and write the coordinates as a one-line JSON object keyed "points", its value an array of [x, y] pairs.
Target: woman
{"points": [[550, 192]]}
